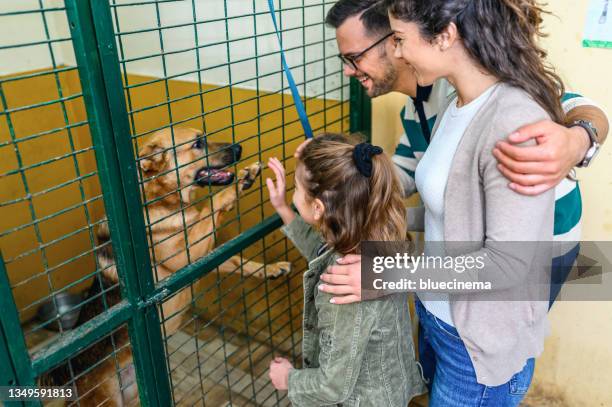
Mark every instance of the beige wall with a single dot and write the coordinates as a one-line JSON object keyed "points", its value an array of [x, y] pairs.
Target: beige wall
{"points": [[578, 355], [586, 70], [577, 362]]}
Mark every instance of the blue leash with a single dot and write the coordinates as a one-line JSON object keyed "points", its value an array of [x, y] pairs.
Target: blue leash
{"points": [[294, 91]]}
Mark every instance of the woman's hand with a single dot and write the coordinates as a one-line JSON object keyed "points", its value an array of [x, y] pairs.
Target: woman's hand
{"points": [[343, 279], [278, 191], [279, 373]]}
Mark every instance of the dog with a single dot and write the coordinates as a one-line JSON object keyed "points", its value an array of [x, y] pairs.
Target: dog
{"points": [[173, 165]]}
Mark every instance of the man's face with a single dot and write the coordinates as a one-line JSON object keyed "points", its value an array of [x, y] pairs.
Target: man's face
{"points": [[375, 70]]}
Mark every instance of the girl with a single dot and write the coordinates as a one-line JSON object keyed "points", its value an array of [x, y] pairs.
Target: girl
{"points": [[359, 354]]}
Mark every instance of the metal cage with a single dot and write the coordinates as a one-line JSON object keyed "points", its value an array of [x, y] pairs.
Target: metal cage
{"points": [[84, 94]]}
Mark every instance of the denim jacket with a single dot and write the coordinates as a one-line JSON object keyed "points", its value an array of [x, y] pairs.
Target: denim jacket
{"points": [[359, 354]]}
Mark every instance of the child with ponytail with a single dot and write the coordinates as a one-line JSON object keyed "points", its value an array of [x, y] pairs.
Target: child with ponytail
{"points": [[356, 354]]}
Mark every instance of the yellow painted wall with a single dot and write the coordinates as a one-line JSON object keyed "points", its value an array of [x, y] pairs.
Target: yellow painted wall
{"points": [[21, 245], [218, 125], [576, 366]]}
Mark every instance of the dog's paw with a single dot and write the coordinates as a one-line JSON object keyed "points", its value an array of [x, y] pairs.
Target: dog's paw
{"points": [[276, 270], [247, 176]]}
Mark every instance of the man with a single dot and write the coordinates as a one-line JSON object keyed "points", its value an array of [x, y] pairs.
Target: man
{"points": [[366, 49]]}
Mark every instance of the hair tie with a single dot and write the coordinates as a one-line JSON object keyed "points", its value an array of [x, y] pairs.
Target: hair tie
{"points": [[362, 155]]}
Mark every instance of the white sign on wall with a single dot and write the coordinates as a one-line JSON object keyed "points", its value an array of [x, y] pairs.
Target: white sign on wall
{"points": [[598, 31]]}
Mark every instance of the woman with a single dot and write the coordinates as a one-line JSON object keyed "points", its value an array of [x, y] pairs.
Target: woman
{"points": [[478, 347]]}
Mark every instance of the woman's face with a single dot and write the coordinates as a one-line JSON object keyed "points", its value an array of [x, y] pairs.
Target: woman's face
{"points": [[425, 56]]}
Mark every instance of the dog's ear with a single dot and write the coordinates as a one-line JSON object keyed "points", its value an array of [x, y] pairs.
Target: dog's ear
{"points": [[153, 157]]}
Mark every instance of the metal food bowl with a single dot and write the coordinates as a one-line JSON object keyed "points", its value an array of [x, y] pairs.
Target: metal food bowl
{"points": [[66, 308]]}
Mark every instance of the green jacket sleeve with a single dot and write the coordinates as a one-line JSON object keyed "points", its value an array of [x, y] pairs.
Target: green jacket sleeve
{"points": [[343, 338], [304, 237]]}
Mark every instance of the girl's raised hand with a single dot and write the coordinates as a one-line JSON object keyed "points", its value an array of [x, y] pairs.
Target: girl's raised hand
{"points": [[277, 189]]}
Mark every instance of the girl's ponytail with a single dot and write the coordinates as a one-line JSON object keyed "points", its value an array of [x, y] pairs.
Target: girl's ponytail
{"points": [[359, 189], [386, 215]]}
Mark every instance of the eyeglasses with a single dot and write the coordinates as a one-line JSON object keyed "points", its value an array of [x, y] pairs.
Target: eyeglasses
{"points": [[352, 60]]}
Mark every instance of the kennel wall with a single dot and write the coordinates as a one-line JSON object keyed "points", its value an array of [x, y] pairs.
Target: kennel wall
{"points": [[83, 86]]}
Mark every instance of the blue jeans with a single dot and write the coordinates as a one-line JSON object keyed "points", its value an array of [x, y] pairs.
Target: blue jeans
{"points": [[450, 374]]}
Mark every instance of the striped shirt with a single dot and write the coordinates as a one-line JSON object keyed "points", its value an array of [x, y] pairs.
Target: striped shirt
{"points": [[413, 143]]}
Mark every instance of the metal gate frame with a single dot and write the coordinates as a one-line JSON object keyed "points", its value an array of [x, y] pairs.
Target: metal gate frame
{"points": [[97, 59]]}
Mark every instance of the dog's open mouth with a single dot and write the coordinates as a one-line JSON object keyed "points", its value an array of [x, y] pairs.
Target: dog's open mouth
{"points": [[213, 176]]}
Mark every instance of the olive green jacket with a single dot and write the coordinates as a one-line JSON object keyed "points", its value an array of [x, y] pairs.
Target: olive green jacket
{"points": [[358, 354]]}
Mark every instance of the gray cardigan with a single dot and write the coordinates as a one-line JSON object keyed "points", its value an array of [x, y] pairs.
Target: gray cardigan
{"points": [[500, 334]]}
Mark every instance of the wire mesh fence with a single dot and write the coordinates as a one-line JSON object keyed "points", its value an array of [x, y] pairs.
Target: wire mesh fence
{"points": [[51, 201], [102, 374], [215, 66], [206, 102]]}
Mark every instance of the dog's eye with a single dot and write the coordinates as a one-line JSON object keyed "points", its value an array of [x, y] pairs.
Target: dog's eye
{"points": [[198, 144]]}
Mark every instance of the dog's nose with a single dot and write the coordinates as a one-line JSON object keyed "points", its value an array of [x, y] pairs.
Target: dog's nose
{"points": [[237, 150]]}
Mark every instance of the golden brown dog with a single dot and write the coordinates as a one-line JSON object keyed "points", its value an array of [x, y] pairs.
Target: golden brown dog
{"points": [[173, 166]]}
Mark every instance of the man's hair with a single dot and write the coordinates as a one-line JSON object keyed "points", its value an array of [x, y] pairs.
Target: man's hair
{"points": [[373, 15]]}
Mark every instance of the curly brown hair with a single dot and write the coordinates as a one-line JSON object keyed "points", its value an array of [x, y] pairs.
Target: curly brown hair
{"points": [[500, 35], [357, 208]]}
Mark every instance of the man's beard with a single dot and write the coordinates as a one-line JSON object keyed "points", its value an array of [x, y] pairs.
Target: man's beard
{"points": [[385, 84]]}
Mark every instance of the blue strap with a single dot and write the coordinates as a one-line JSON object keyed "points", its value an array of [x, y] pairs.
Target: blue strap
{"points": [[294, 91]]}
